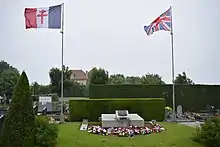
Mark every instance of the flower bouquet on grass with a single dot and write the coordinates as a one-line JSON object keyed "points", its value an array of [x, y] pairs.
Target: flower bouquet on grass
{"points": [[130, 131]]}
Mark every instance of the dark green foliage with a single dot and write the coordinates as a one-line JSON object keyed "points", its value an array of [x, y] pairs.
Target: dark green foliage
{"points": [[98, 76], [74, 89], [8, 78], [183, 79], [127, 91], [19, 122], [152, 79], [37, 89], [35, 97], [191, 97], [209, 133], [55, 97], [133, 80], [116, 79], [93, 108], [55, 78], [46, 134], [71, 88]]}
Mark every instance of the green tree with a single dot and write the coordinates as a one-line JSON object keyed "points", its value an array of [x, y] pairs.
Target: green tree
{"points": [[8, 78], [4, 66], [133, 80], [117, 79], [98, 76], [152, 79], [37, 89], [55, 79], [18, 127], [183, 79], [44, 89], [71, 88]]}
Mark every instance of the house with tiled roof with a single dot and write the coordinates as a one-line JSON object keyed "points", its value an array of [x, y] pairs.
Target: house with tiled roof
{"points": [[79, 76]]}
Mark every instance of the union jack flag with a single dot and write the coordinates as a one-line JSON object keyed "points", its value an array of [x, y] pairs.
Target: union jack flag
{"points": [[163, 22]]}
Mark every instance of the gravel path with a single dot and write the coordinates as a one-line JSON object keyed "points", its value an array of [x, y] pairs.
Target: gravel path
{"points": [[191, 124]]}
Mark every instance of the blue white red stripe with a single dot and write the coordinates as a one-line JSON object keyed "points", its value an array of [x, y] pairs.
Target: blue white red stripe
{"points": [[47, 17], [163, 22]]}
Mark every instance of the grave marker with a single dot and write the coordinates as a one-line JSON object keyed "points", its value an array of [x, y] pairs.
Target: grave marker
{"points": [[179, 110], [45, 101]]}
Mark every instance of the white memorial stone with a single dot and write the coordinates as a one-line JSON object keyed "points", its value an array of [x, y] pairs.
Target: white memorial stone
{"points": [[113, 120], [179, 110]]}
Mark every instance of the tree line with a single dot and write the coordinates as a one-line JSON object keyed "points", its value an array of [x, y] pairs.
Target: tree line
{"points": [[9, 76]]}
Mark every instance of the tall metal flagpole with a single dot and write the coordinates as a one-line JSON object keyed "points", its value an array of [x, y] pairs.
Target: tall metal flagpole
{"points": [[173, 86], [62, 32]]}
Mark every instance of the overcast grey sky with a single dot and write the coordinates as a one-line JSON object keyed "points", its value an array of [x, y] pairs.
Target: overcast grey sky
{"points": [[110, 34]]}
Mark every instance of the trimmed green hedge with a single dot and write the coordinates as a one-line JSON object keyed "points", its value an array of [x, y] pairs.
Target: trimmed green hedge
{"points": [[191, 97], [127, 91], [91, 109]]}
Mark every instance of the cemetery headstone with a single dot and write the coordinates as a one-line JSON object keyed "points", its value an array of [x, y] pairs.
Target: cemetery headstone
{"points": [[45, 102], [179, 110], [154, 122], [49, 106], [84, 125]]}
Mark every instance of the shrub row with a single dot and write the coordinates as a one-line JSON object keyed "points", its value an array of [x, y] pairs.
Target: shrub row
{"points": [[46, 133], [191, 97], [208, 134], [92, 109]]}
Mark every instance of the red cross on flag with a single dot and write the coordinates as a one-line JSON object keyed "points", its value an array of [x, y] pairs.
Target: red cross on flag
{"points": [[47, 17]]}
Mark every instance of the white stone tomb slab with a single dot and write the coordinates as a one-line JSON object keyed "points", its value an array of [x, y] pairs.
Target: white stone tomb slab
{"points": [[110, 120]]}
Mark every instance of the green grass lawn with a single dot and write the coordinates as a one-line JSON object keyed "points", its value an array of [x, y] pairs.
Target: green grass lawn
{"points": [[175, 136]]}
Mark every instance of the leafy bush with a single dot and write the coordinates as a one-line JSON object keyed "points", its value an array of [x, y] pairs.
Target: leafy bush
{"points": [[55, 98], [35, 97], [168, 109], [148, 108], [67, 118], [98, 76], [209, 133], [45, 133]]}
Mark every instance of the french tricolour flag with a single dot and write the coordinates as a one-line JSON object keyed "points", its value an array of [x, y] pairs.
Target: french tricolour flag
{"points": [[48, 17]]}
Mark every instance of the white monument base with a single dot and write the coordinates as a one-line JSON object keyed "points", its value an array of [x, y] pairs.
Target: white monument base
{"points": [[110, 120]]}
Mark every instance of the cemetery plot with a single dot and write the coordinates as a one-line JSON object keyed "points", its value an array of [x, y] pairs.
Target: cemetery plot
{"points": [[123, 124], [175, 135], [84, 125]]}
